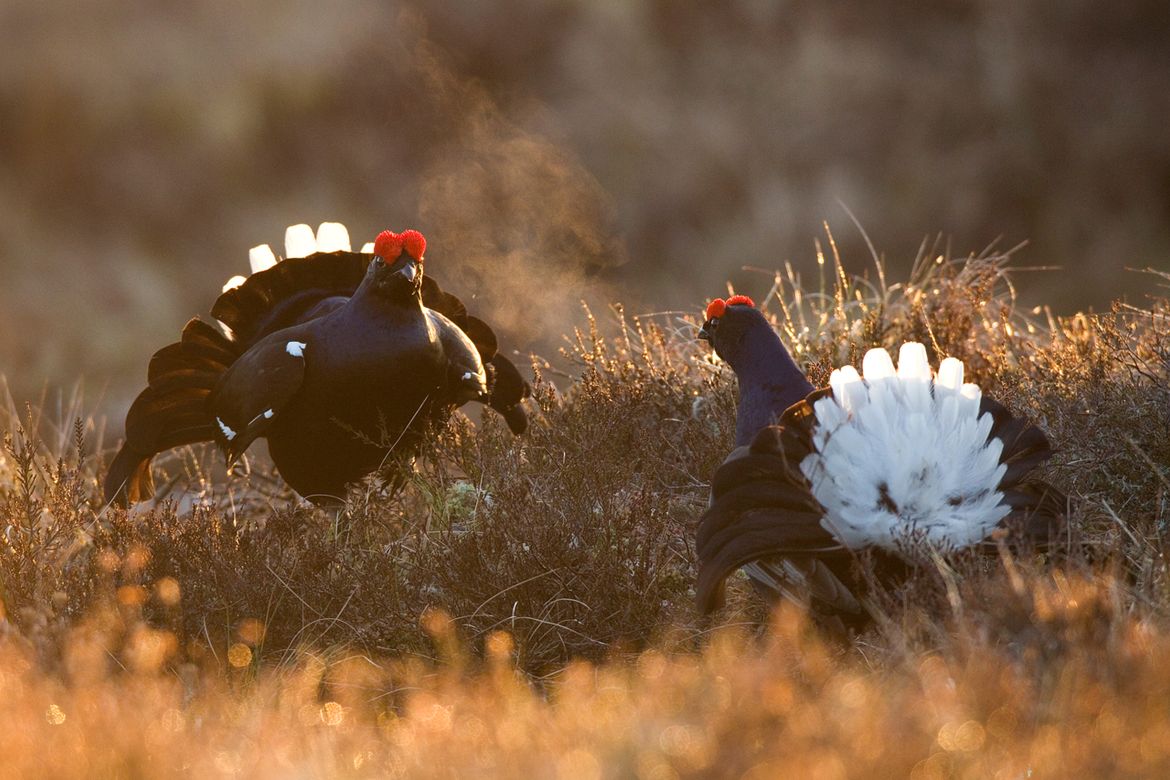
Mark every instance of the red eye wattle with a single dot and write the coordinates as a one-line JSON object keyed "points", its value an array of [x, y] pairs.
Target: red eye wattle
{"points": [[388, 245], [415, 244]]}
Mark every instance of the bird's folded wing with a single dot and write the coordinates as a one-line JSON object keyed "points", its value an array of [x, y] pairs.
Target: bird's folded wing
{"points": [[808, 581], [507, 391], [783, 549], [255, 389], [467, 379], [506, 387]]}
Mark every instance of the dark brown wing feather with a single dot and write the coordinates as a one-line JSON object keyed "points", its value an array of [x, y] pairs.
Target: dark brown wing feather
{"points": [[1039, 510], [506, 385], [763, 512], [508, 389], [172, 410], [482, 336]]}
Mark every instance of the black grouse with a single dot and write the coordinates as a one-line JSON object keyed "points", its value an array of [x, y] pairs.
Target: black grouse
{"points": [[888, 464], [340, 359]]}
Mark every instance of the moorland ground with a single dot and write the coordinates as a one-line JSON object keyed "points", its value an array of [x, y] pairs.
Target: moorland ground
{"points": [[524, 606]]}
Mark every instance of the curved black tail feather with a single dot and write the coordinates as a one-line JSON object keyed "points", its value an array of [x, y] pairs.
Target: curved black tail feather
{"points": [[172, 410]]}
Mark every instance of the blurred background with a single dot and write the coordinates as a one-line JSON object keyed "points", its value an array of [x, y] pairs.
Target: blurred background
{"points": [[559, 150]]}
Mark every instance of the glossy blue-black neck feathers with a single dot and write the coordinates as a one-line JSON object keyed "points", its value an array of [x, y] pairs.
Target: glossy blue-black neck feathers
{"points": [[769, 379]]}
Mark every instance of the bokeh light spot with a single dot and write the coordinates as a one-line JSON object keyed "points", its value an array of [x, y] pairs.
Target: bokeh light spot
{"points": [[239, 655]]}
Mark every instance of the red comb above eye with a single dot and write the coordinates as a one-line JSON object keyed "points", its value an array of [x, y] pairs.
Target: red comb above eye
{"points": [[415, 244], [388, 245], [716, 308], [741, 300]]}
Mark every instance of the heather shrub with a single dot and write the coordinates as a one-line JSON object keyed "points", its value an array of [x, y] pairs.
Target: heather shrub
{"points": [[527, 602]]}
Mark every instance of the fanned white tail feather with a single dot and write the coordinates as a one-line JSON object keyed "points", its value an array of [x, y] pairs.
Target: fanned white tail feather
{"points": [[332, 237], [299, 241], [234, 282], [261, 258], [900, 459]]}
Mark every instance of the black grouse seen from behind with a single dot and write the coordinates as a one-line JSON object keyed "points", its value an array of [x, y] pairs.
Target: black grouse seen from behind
{"points": [[889, 464]]}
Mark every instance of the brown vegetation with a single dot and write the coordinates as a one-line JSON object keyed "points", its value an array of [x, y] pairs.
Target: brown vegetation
{"points": [[524, 606]]}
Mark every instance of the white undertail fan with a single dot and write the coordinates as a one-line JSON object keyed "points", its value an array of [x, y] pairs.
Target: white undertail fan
{"points": [[901, 461]]}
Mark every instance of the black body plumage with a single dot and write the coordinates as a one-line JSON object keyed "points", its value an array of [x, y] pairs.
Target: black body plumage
{"points": [[769, 379]]}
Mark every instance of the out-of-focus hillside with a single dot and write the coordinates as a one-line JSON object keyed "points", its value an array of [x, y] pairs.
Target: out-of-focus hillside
{"points": [[553, 151]]}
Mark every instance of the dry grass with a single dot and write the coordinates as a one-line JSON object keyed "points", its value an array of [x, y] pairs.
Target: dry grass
{"points": [[1080, 692], [524, 606]]}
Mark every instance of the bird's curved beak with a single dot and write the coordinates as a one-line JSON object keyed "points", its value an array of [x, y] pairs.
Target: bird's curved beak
{"points": [[409, 271], [401, 276], [705, 332]]}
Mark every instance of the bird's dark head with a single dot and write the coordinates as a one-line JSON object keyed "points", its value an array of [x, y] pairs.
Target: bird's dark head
{"points": [[397, 268], [728, 323]]}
